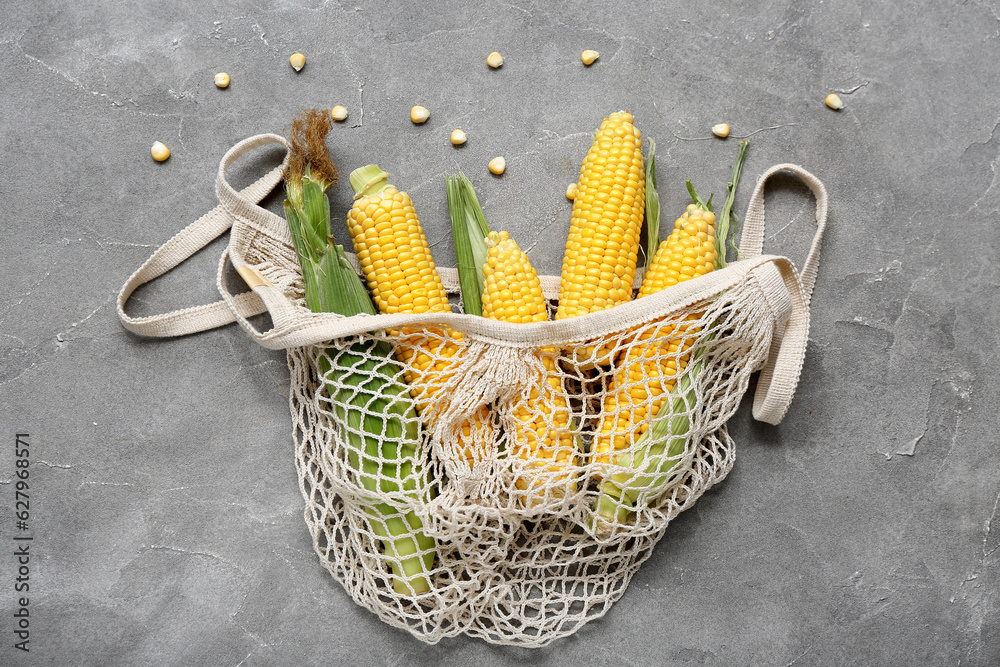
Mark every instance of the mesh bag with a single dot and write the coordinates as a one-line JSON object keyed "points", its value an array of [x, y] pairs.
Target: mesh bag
{"points": [[529, 484]]}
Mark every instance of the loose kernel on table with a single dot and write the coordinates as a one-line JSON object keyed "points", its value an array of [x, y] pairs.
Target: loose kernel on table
{"points": [[222, 80], [588, 57], [458, 137], [498, 165], [494, 60], [834, 102], [298, 61], [159, 151], [571, 191], [721, 130], [419, 114], [338, 113]]}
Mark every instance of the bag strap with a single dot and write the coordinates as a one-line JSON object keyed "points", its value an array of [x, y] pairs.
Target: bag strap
{"points": [[752, 239], [247, 215], [780, 375], [185, 244]]}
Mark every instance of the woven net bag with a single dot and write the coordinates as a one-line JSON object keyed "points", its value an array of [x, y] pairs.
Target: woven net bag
{"points": [[512, 480]]}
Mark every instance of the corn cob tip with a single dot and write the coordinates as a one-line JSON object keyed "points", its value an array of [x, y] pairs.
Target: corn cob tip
{"points": [[494, 238], [368, 180], [623, 116]]}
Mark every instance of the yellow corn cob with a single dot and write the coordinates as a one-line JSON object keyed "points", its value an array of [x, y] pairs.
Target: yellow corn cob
{"points": [[397, 263], [603, 242], [513, 293], [644, 378]]}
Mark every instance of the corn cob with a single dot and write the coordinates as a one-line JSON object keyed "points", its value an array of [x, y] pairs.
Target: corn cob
{"points": [[512, 292], [397, 263], [363, 383], [655, 453], [650, 369], [603, 242]]}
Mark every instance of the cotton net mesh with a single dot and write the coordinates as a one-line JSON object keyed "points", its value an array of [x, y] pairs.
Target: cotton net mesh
{"points": [[500, 486], [505, 481]]}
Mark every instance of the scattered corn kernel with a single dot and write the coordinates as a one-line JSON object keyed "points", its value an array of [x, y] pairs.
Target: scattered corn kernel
{"points": [[338, 113], [571, 190], [721, 130], [419, 114], [159, 151], [458, 137], [494, 60], [588, 57], [298, 61], [834, 102], [222, 80], [498, 165]]}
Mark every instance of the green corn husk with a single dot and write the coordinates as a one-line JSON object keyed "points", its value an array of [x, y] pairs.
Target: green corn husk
{"points": [[469, 231], [728, 221], [652, 206], [365, 384], [368, 394], [657, 450], [655, 454]]}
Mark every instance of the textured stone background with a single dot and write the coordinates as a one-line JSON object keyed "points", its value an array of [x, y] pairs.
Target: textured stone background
{"points": [[165, 509]]}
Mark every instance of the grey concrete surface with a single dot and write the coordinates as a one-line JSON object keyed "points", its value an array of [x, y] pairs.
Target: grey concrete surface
{"points": [[164, 507]]}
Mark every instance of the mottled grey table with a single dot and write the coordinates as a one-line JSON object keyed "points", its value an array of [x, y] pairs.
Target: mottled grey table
{"points": [[164, 508]]}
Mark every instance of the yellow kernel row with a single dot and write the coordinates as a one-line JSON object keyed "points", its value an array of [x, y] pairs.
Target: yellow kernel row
{"points": [[397, 261]]}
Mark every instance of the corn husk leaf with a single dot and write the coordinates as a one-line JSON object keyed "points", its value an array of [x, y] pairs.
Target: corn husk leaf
{"points": [[368, 392], [728, 222], [469, 231], [652, 206]]}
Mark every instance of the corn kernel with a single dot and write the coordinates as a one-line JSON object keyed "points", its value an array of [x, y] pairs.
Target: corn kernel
{"points": [[298, 61], [834, 102], [498, 165], [419, 114], [339, 113], [458, 137], [571, 191], [588, 57], [159, 151], [222, 80], [721, 130], [494, 60]]}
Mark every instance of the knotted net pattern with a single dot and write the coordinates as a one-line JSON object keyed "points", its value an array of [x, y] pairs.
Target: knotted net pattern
{"points": [[531, 481], [514, 562]]}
